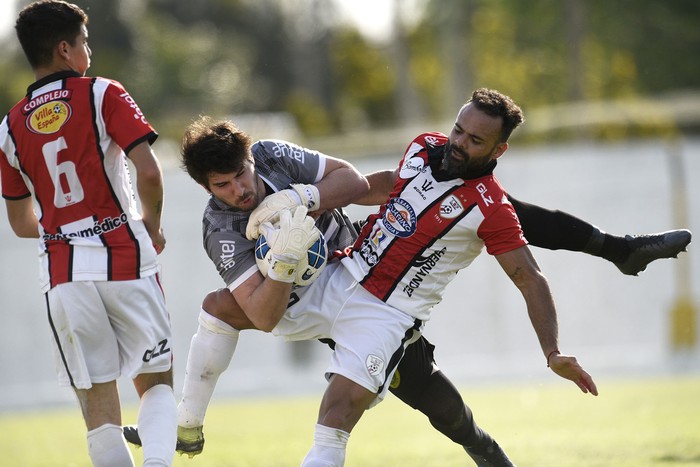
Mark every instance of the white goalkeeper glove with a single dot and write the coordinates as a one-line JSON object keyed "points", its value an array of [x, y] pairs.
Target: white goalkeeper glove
{"points": [[289, 242], [270, 207]]}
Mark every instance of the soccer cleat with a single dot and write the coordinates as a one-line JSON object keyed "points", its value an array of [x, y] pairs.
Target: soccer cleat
{"points": [[492, 456], [647, 248], [190, 441], [131, 435]]}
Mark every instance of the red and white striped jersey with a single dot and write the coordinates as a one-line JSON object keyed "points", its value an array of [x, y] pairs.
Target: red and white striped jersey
{"points": [[64, 144], [430, 227]]}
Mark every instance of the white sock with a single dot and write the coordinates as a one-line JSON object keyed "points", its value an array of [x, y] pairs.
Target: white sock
{"points": [[107, 447], [157, 422], [328, 449], [210, 353]]}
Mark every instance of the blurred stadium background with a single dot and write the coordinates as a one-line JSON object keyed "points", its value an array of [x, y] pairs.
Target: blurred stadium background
{"points": [[611, 95]]}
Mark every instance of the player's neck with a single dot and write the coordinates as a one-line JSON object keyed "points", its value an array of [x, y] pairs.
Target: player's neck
{"points": [[55, 67]]}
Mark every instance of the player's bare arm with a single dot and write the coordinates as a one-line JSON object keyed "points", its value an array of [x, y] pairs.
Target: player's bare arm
{"points": [[522, 268], [22, 217], [381, 183], [149, 184], [263, 300], [341, 184]]}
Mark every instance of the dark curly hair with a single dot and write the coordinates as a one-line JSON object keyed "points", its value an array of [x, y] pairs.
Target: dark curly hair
{"points": [[495, 104], [213, 146]]}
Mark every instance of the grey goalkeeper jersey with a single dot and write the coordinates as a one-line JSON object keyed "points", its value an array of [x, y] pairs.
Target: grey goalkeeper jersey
{"points": [[279, 164]]}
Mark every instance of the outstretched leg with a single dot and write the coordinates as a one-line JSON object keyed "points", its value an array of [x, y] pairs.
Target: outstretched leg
{"points": [[420, 384], [558, 230]]}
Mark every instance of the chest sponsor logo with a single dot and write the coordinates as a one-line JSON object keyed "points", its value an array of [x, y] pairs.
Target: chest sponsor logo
{"points": [[425, 266], [412, 166], [399, 218], [451, 207], [228, 250], [48, 118], [370, 246]]}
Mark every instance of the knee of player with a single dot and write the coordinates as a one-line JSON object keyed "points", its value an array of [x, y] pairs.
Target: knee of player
{"points": [[222, 305]]}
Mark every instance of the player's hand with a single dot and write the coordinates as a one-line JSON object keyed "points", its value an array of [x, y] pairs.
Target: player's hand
{"points": [[270, 207], [568, 367], [158, 239], [289, 242]]}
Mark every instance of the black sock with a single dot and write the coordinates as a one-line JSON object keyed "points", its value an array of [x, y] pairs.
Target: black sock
{"points": [[558, 230]]}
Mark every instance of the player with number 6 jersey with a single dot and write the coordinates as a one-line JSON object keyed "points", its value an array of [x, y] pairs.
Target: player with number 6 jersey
{"points": [[65, 180], [62, 144]]}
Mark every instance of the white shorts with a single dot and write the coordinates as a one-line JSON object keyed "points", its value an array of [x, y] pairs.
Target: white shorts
{"points": [[370, 336], [105, 329]]}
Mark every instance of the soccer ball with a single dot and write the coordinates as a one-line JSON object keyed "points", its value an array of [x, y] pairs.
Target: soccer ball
{"points": [[310, 267]]}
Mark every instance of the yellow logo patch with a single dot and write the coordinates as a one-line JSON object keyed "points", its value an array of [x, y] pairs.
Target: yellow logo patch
{"points": [[395, 380], [49, 117]]}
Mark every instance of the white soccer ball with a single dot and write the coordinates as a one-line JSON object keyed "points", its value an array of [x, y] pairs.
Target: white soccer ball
{"points": [[310, 266]]}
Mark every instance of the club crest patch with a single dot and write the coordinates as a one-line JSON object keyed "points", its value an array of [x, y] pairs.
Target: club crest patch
{"points": [[375, 365], [451, 207]]}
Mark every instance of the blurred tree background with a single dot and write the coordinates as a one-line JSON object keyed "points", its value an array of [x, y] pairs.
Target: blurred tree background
{"points": [[182, 58]]}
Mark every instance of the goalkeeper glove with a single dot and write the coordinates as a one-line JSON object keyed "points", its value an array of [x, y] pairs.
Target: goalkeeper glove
{"points": [[270, 207], [289, 242]]}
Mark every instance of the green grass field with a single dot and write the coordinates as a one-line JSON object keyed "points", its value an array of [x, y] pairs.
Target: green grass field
{"points": [[632, 423]]}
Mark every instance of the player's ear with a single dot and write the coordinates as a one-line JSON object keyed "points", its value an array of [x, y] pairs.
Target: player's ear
{"points": [[63, 50], [500, 149]]}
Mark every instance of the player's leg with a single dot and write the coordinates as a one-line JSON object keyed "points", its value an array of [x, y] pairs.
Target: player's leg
{"points": [[631, 254], [211, 350], [421, 385], [157, 417], [342, 406], [141, 325], [102, 414], [84, 345]]}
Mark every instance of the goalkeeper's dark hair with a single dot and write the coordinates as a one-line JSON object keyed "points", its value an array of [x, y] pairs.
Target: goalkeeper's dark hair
{"points": [[495, 104], [41, 26], [213, 146]]}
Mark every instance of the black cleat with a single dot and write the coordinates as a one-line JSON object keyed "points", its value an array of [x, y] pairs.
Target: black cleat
{"points": [[492, 456], [190, 441], [647, 248]]}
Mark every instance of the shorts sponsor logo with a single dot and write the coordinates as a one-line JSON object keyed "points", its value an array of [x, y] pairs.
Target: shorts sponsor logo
{"points": [[160, 349], [425, 266], [48, 118], [375, 365], [399, 218], [451, 207]]}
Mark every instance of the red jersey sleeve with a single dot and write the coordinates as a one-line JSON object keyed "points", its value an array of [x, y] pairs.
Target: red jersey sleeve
{"points": [[125, 122], [500, 229], [13, 186]]}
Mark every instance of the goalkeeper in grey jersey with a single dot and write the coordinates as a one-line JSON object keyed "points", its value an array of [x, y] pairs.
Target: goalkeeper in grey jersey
{"points": [[240, 176]]}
